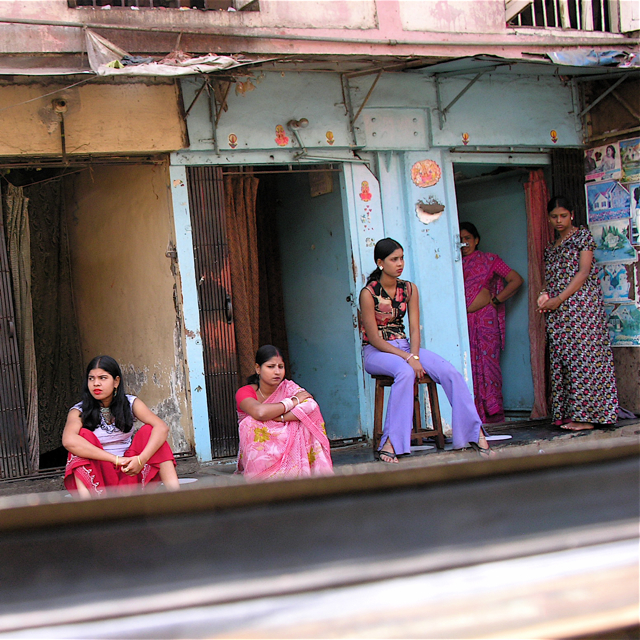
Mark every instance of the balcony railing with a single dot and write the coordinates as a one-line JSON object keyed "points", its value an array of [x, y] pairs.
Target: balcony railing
{"points": [[583, 15]]}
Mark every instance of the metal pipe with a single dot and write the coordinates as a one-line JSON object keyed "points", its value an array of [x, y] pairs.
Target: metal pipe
{"points": [[490, 41]]}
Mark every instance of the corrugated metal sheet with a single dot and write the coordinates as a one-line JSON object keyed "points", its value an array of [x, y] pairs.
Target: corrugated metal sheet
{"points": [[13, 434], [206, 202]]}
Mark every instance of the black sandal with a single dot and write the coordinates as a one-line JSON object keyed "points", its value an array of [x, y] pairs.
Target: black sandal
{"points": [[391, 457]]}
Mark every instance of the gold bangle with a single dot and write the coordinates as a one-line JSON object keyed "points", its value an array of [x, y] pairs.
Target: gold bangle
{"points": [[117, 461], [139, 461]]}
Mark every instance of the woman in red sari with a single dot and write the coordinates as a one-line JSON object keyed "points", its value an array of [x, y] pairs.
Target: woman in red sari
{"points": [[99, 436], [485, 292], [282, 432]]}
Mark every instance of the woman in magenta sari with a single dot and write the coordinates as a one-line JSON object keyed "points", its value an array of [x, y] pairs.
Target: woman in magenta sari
{"points": [[282, 432], [485, 291]]}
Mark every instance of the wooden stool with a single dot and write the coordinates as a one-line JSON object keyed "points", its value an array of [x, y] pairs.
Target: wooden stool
{"points": [[418, 432]]}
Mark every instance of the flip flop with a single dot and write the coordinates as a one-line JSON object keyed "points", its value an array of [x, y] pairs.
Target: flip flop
{"points": [[391, 457]]}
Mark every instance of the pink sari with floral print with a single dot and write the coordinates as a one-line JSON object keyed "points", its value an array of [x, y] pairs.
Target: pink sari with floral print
{"points": [[271, 450]]}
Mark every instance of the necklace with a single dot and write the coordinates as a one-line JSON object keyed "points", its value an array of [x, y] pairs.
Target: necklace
{"points": [[105, 412], [262, 394], [563, 240]]}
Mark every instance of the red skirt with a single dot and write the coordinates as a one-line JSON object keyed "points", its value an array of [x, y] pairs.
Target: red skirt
{"points": [[96, 475]]}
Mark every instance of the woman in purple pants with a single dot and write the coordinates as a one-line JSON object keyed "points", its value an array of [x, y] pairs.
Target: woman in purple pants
{"points": [[383, 303]]}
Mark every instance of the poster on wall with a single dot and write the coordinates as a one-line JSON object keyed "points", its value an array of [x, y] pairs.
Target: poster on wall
{"points": [[616, 282], [630, 159], [623, 323], [612, 242], [634, 192], [603, 163], [607, 201]]}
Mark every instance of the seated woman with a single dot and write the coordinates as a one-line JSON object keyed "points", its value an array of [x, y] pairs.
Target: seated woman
{"points": [[103, 450], [383, 304], [485, 291], [282, 431]]}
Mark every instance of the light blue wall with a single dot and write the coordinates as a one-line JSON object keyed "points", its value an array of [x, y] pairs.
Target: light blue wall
{"points": [[398, 127], [316, 286], [497, 207]]}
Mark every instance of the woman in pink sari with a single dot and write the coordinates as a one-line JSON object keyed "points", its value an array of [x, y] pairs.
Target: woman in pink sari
{"points": [[282, 432], [485, 292]]}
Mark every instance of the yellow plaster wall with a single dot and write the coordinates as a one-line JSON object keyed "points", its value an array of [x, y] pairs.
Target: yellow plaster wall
{"points": [[99, 118], [120, 225]]}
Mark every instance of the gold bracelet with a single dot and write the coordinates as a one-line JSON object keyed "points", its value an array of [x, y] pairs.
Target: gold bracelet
{"points": [[139, 461], [117, 461]]}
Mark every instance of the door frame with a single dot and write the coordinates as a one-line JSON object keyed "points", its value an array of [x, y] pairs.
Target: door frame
{"points": [[194, 351]]}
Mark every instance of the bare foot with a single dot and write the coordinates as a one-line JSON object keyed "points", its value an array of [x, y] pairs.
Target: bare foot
{"points": [[577, 426]]}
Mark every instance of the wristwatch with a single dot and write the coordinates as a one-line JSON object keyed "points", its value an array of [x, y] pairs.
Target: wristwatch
{"points": [[495, 300], [415, 357]]}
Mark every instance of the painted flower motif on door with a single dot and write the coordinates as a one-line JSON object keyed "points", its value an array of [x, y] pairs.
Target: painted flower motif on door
{"points": [[282, 140], [425, 173], [365, 191]]}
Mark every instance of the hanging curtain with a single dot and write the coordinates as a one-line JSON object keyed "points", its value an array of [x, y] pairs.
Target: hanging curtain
{"points": [[19, 248], [56, 337], [538, 235], [272, 323], [240, 206]]}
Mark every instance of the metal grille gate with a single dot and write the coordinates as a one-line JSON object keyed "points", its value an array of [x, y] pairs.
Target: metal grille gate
{"points": [[13, 436], [211, 252]]}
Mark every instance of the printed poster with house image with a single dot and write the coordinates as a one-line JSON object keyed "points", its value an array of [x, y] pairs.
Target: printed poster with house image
{"points": [[630, 159], [623, 323], [603, 163], [612, 243], [607, 201]]}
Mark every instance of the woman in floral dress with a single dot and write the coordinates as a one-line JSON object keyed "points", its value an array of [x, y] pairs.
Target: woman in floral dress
{"points": [[583, 384]]}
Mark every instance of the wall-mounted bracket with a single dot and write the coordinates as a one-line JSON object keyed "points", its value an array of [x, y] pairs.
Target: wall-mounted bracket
{"points": [[442, 112]]}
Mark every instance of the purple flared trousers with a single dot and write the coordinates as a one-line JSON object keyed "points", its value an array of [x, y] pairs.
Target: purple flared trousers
{"points": [[465, 422]]}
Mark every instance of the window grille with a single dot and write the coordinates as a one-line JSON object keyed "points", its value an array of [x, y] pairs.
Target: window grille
{"points": [[583, 15], [205, 5]]}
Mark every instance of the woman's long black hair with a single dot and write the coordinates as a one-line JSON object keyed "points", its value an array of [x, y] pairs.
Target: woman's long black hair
{"points": [[560, 201], [263, 354], [383, 249], [120, 406]]}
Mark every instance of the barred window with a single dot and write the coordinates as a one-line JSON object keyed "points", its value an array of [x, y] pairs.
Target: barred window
{"points": [[205, 5]]}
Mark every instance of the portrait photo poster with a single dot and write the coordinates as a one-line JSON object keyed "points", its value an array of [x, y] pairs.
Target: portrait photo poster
{"points": [[616, 282], [612, 243], [606, 201], [630, 159], [623, 323], [634, 192], [603, 163]]}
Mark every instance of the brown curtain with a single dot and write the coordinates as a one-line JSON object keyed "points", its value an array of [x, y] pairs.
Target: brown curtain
{"points": [[56, 334], [272, 324], [240, 207], [16, 211], [538, 235], [567, 179]]}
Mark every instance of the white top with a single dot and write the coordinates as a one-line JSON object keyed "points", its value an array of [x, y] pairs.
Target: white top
{"points": [[111, 438]]}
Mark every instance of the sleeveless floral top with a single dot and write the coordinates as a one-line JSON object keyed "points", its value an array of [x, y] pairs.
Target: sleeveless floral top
{"points": [[389, 313]]}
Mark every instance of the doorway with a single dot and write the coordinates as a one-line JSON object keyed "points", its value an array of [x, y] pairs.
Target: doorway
{"points": [[281, 277], [492, 198]]}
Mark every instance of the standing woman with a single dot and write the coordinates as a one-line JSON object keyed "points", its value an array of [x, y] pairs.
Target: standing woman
{"points": [[486, 293], [383, 304], [282, 432], [98, 434], [583, 384]]}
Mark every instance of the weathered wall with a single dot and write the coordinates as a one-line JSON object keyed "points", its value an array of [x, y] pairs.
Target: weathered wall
{"points": [[627, 363], [99, 118], [120, 225]]}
